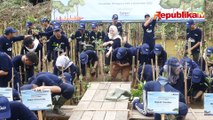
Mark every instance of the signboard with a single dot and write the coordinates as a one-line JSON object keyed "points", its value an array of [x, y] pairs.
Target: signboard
{"points": [[163, 102], [7, 92], [208, 104], [37, 100], [127, 10]]}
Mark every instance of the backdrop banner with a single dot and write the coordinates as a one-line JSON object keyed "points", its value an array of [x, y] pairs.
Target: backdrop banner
{"points": [[127, 10]]}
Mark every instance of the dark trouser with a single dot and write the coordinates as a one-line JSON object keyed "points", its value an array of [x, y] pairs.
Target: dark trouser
{"points": [[67, 90], [196, 56], [107, 59]]}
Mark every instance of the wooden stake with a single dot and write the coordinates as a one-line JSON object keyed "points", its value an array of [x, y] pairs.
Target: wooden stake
{"points": [[156, 65], [153, 70], [185, 81], [40, 115], [12, 78]]}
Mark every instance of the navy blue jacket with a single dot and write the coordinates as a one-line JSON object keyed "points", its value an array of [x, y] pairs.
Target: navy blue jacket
{"points": [[126, 59], [161, 58], [55, 43], [149, 32], [20, 112], [17, 62], [92, 58], [147, 73], [48, 32], [196, 36], [5, 65], [80, 38], [6, 45]]}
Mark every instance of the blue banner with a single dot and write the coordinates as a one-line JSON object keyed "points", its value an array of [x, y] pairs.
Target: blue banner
{"points": [[7, 92], [208, 104]]}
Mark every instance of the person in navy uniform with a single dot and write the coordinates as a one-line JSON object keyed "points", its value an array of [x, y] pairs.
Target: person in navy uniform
{"points": [[29, 26], [31, 45], [63, 64], [95, 35], [188, 65], [149, 31], [199, 84], [81, 36], [15, 110], [27, 61], [8, 39], [57, 45], [5, 69], [207, 59], [173, 69], [121, 62], [160, 53], [144, 54], [62, 87], [147, 73], [157, 86], [48, 30], [89, 59], [193, 39], [117, 24]]}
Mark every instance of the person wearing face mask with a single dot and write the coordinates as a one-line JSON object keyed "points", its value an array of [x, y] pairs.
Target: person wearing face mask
{"points": [[157, 85], [149, 32], [58, 44], [28, 60], [173, 69], [63, 64], [117, 24]]}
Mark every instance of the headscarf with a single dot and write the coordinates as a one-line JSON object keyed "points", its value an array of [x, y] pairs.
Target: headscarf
{"points": [[36, 43]]}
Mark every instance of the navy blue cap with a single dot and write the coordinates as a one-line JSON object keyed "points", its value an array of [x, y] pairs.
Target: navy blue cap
{"points": [[83, 58], [209, 51], [115, 17], [144, 49], [53, 22], [121, 52], [5, 111], [68, 78], [82, 26], [56, 27], [173, 62], [158, 49], [147, 15], [29, 24], [94, 25], [197, 75], [189, 23], [9, 30], [44, 20], [186, 61]]}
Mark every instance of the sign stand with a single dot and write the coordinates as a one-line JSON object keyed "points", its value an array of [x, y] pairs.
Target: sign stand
{"points": [[40, 115]]}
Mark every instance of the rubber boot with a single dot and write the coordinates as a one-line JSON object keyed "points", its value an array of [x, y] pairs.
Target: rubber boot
{"points": [[58, 105]]}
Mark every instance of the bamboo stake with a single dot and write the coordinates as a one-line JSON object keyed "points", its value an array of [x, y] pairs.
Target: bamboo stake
{"points": [[40, 115], [153, 70], [185, 81], [156, 65]]}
